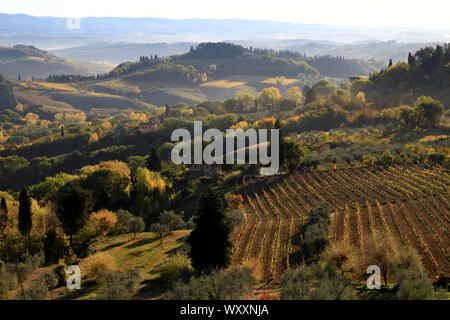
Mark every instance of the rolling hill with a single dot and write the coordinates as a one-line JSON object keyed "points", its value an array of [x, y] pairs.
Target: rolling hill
{"points": [[28, 61]]}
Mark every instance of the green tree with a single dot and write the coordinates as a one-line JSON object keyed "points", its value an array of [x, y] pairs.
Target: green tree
{"points": [[387, 158], [153, 162], [3, 215], [73, 204], [210, 240], [310, 95], [24, 215], [292, 153], [413, 285], [427, 111]]}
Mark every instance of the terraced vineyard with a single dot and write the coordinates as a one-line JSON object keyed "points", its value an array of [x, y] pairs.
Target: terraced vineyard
{"points": [[408, 204]]}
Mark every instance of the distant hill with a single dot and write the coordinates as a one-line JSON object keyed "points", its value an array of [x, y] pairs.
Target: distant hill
{"points": [[28, 61], [360, 57], [52, 32], [427, 72], [367, 50], [116, 53]]}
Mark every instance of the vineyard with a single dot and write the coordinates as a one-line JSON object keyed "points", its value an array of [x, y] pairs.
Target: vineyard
{"points": [[404, 204]]}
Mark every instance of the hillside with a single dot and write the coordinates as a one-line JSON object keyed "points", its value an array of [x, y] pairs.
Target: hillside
{"points": [[28, 61], [426, 72], [405, 204]]}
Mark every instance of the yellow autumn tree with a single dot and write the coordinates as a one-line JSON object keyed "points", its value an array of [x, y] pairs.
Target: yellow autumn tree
{"points": [[295, 94], [269, 96], [103, 221], [147, 182]]}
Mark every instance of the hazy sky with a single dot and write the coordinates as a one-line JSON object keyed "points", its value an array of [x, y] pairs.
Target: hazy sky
{"points": [[407, 13]]}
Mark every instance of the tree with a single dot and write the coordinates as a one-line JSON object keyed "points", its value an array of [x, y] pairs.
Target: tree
{"points": [[24, 215], [413, 285], [269, 96], [411, 59], [390, 63], [161, 230], [53, 246], [292, 153], [103, 221], [379, 252], [3, 216], [310, 95], [316, 283], [172, 220], [295, 94], [210, 240], [339, 254], [73, 203], [153, 162], [109, 186], [315, 237], [296, 284], [427, 111], [62, 130], [387, 158], [333, 286], [126, 222]]}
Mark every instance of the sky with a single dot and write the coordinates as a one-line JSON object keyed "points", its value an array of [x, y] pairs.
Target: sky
{"points": [[371, 13]]}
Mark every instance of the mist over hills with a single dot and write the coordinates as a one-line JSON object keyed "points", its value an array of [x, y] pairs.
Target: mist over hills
{"points": [[53, 32], [119, 52], [28, 61]]}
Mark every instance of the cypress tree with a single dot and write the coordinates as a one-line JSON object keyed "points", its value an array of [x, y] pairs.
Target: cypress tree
{"points": [[281, 142], [24, 216], [153, 162], [3, 215], [390, 63], [73, 204], [210, 240]]}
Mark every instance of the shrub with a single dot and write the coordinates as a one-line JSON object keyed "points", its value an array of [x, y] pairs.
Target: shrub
{"points": [[317, 283], [7, 282], [60, 272], [100, 261], [296, 284], [333, 286], [36, 291], [234, 218], [215, 286], [174, 267], [234, 201], [118, 285]]}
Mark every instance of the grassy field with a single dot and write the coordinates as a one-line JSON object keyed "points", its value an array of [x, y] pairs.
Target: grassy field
{"points": [[143, 251]]}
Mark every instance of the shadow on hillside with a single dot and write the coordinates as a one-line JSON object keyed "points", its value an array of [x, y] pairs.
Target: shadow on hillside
{"points": [[114, 245], [295, 258], [86, 289], [153, 288], [141, 242]]}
